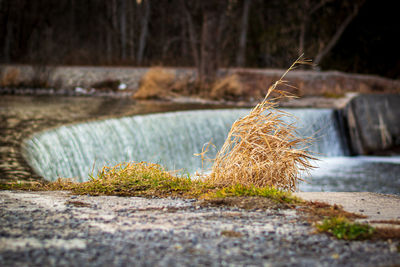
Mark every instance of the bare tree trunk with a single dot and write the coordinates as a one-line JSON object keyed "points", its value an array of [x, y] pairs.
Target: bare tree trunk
{"points": [[8, 40], [305, 19], [192, 35], [131, 29], [7, 29], [184, 33], [114, 26], [144, 30], [109, 46], [335, 38], [241, 56], [71, 24], [209, 50], [302, 36], [122, 23], [166, 46]]}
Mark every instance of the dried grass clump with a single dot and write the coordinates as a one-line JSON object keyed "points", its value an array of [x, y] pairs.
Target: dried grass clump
{"points": [[156, 83], [227, 88], [10, 78], [261, 149]]}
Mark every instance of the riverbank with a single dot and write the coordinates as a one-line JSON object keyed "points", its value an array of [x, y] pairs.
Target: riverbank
{"points": [[80, 80]]}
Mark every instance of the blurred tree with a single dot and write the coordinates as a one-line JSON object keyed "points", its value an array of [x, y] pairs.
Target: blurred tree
{"points": [[207, 34], [241, 54], [145, 9], [326, 47]]}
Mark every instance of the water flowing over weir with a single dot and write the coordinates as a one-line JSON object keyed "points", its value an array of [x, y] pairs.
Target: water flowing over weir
{"points": [[169, 139]]}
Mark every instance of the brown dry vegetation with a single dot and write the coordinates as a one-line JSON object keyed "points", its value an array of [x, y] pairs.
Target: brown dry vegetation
{"points": [[10, 78], [228, 87], [394, 222], [387, 233], [159, 83], [316, 211], [230, 233], [38, 77], [261, 149], [155, 84]]}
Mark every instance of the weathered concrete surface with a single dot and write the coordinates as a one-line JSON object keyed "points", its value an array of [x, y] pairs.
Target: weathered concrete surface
{"points": [[373, 123], [57, 229], [377, 207]]}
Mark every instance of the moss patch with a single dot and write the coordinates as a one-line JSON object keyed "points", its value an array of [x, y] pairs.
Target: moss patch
{"points": [[141, 179], [343, 228], [250, 197]]}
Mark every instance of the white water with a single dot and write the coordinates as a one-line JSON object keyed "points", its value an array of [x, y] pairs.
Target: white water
{"points": [[170, 139]]}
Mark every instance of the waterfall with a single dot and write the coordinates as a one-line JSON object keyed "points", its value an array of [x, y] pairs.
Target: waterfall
{"points": [[169, 139]]}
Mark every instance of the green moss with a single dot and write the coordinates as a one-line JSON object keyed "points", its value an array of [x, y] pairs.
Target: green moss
{"points": [[60, 184], [148, 180], [342, 228], [252, 191], [140, 179]]}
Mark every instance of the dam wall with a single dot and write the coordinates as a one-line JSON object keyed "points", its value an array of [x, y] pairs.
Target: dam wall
{"points": [[372, 124]]}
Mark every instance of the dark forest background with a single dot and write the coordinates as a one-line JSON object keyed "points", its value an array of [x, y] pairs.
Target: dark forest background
{"points": [[353, 36]]}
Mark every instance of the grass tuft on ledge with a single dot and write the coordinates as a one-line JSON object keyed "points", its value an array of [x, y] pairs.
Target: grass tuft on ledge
{"points": [[141, 179], [144, 179]]}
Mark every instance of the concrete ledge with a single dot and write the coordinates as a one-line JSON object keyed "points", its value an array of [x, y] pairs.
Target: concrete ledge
{"points": [[58, 229], [372, 123], [377, 207]]}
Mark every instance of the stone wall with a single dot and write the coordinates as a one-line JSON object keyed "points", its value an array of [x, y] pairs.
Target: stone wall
{"points": [[373, 123], [83, 76], [307, 82]]}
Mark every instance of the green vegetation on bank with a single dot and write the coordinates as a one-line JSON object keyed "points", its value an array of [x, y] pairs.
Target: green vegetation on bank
{"points": [[252, 191], [343, 228], [141, 179], [151, 180]]}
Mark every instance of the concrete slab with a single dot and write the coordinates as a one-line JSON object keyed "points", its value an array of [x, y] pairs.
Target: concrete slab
{"points": [[59, 229], [377, 207]]}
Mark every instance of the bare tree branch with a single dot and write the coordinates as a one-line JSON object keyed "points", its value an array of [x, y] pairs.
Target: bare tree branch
{"points": [[335, 38]]}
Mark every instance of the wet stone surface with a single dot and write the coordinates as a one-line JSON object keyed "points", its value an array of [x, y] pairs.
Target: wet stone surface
{"points": [[57, 229]]}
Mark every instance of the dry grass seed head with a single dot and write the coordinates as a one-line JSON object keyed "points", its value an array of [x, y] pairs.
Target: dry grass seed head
{"points": [[262, 149]]}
